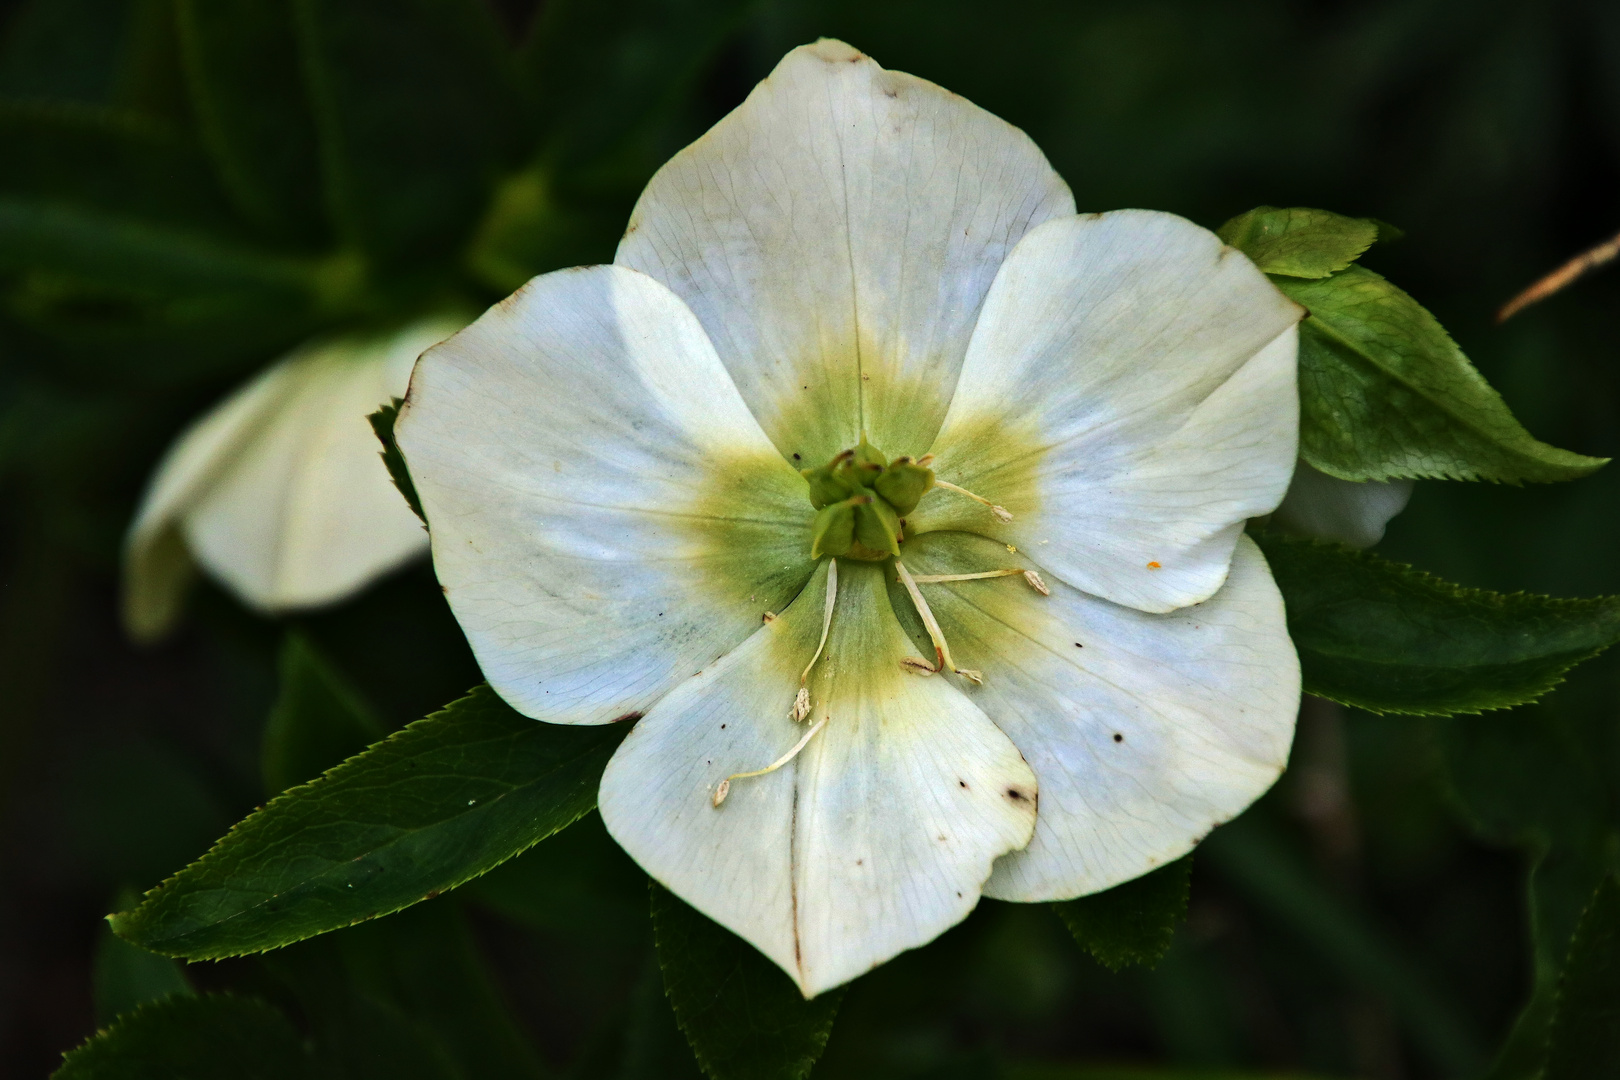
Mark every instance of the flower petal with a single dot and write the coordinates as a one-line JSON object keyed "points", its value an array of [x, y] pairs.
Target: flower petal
{"points": [[1129, 395], [1344, 510], [607, 518], [278, 492], [875, 839], [836, 235], [1145, 731]]}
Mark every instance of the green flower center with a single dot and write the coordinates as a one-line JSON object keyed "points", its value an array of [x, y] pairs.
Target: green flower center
{"points": [[860, 498]]}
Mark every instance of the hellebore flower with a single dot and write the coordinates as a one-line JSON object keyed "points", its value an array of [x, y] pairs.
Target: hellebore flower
{"points": [[278, 492], [1352, 513], [861, 318]]}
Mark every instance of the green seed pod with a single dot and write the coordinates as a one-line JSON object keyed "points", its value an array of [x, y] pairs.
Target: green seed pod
{"points": [[876, 525], [903, 484], [826, 487], [833, 531]]}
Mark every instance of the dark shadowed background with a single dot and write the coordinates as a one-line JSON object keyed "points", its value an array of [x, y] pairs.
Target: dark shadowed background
{"points": [[1371, 917]]}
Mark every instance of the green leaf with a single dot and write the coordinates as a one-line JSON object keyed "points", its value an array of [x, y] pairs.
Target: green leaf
{"points": [[1585, 1036], [125, 977], [1299, 242], [743, 1017], [1387, 638], [417, 110], [432, 806], [382, 424], [318, 719], [216, 1037], [1133, 923], [1385, 393], [245, 77]]}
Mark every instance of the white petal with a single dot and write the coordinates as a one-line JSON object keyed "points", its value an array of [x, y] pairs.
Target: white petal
{"points": [[1332, 509], [607, 518], [874, 840], [279, 491], [836, 235], [1129, 395], [1145, 731]]}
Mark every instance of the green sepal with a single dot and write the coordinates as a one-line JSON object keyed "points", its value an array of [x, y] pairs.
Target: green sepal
{"points": [[1132, 923], [1386, 394], [382, 424], [833, 530], [903, 484], [434, 805], [1584, 1039], [214, 1037], [744, 1018], [1299, 242], [1387, 638]]}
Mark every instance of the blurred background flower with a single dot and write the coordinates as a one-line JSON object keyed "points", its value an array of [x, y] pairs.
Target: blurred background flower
{"points": [[191, 190]]}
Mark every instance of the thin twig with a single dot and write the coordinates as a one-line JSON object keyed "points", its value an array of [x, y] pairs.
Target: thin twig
{"points": [[1581, 264]]}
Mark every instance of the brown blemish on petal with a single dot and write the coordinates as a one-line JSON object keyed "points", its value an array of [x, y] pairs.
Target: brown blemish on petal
{"points": [[626, 716]]}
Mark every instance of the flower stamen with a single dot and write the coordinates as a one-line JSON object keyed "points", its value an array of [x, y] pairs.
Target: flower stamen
{"points": [[1000, 513], [724, 787], [801, 700], [942, 651]]}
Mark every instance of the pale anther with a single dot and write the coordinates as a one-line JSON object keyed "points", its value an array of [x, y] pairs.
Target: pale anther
{"points": [[801, 700], [974, 677], [724, 787], [1036, 583], [1000, 513]]}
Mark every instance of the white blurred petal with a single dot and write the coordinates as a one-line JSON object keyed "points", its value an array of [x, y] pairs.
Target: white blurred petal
{"points": [[279, 492], [835, 235], [1328, 508]]}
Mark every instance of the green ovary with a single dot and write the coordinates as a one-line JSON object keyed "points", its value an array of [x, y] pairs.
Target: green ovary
{"points": [[860, 497]]}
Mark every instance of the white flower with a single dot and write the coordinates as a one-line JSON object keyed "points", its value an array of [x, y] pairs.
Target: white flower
{"points": [[609, 462], [278, 492], [1332, 509]]}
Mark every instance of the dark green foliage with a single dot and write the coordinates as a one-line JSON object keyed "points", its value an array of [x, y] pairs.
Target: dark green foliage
{"points": [[215, 1037], [1385, 392], [1341, 939], [1299, 242], [246, 77], [1387, 638], [318, 719], [417, 112], [1133, 923], [433, 806], [406, 997], [1541, 780], [125, 976], [744, 1018], [382, 423], [1584, 1041]]}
